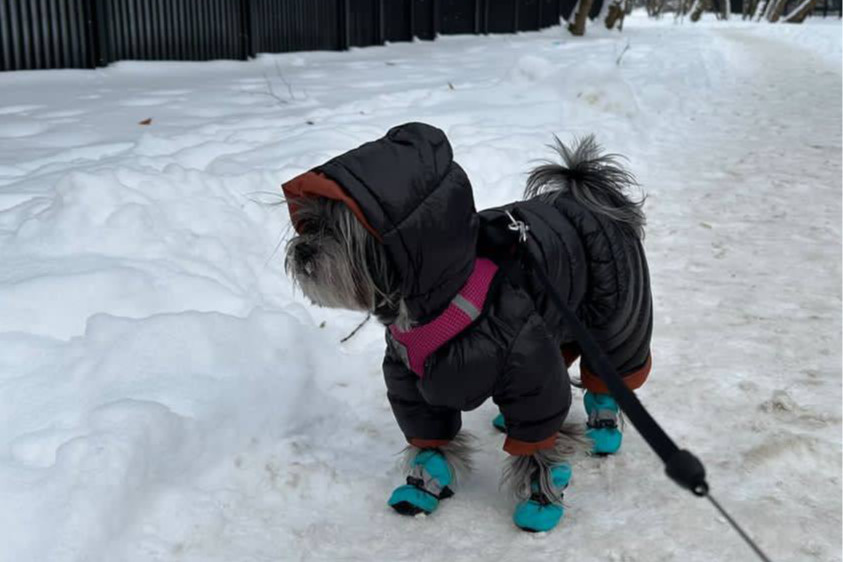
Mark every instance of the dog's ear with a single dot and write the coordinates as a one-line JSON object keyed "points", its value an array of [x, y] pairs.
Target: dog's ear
{"points": [[386, 281]]}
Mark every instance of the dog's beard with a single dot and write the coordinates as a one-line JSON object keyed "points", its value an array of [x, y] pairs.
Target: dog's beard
{"points": [[337, 263], [325, 274]]}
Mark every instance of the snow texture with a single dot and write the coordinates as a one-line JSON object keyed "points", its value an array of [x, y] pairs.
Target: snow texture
{"points": [[167, 396]]}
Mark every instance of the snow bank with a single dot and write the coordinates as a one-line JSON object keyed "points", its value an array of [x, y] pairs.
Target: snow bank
{"points": [[99, 422]]}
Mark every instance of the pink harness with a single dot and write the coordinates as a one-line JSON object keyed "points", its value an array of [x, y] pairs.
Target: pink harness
{"points": [[465, 308]]}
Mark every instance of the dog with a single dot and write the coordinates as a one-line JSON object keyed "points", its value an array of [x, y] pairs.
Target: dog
{"points": [[391, 228]]}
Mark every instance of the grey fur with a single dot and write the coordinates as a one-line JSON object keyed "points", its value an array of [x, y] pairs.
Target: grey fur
{"points": [[457, 452], [597, 181], [520, 471], [402, 316], [337, 263]]}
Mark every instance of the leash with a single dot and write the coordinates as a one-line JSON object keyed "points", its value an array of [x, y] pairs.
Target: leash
{"points": [[680, 464]]}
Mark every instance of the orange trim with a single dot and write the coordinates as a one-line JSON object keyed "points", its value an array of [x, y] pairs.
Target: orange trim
{"points": [[428, 443], [633, 380], [314, 184], [522, 448]]}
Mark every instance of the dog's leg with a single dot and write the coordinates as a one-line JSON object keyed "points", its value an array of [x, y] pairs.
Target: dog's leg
{"points": [[431, 473], [540, 479]]}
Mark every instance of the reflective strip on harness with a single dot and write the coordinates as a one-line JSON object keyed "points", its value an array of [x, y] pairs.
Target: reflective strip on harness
{"points": [[418, 343]]}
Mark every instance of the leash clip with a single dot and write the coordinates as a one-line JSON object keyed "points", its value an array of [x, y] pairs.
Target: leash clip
{"points": [[518, 226]]}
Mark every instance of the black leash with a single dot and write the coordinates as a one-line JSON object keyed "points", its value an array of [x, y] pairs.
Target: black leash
{"points": [[680, 465]]}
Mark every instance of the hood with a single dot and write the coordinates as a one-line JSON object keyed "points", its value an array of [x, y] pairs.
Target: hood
{"points": [[406, 189]]}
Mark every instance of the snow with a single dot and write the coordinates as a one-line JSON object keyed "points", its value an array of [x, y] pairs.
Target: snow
{"points": [[168, 396]]}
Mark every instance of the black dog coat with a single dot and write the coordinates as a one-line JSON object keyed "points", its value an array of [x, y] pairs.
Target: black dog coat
{"points": [[407, 190]]}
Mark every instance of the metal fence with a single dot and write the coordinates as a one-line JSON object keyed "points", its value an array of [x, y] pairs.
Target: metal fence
{"points": [[38, 34], [822, 8]]}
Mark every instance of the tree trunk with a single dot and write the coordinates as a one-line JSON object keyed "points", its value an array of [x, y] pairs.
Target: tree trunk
{"points": [[698, 9], [615, 14], [628, 6], [725, 9], [748, 9], [580, 18], [774, 11], [801, 12]]}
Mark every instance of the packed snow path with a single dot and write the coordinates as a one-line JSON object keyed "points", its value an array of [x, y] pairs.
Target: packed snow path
{"points": [[166, 396]]}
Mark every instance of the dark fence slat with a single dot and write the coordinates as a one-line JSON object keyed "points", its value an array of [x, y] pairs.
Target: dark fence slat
{"points": [[193, 29], [53, 35], [132, 22], [119, 37], [529, 18], [29, 51], [201, 29], [457, 16], [502, 16], [363, 23], [95, 36], [380, 31], [6, 45], [116, 27], [293, 25], [84, 20], [15, 38], [398, 20], [423, 19], [86, 33], [549, 13], [43, 17], [65, 53], [32, 17]]}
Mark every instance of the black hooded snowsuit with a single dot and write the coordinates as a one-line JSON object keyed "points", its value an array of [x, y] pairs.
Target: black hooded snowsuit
{"points": [[419, 202]]}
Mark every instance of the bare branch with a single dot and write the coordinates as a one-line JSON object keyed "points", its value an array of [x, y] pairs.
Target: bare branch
{"points": [[620, 57], [271, 91], [357, 329], [284, 80]]}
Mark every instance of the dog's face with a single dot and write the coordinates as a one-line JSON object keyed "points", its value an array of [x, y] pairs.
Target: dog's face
{"points": [[336, 262]]}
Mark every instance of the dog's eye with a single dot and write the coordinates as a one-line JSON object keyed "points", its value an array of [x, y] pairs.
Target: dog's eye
{"points": [[305, 227], [311, 227]]}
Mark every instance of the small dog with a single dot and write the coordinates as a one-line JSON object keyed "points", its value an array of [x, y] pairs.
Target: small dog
{"points": [[391, 228]]}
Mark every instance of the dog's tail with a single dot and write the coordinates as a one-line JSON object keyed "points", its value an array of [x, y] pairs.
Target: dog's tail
{"points": [[597, 181]]}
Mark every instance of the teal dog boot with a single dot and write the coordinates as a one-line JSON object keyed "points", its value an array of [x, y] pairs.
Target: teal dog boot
{"points": [[539, 513], [603, 414], [499, 423], [430, 476]]}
